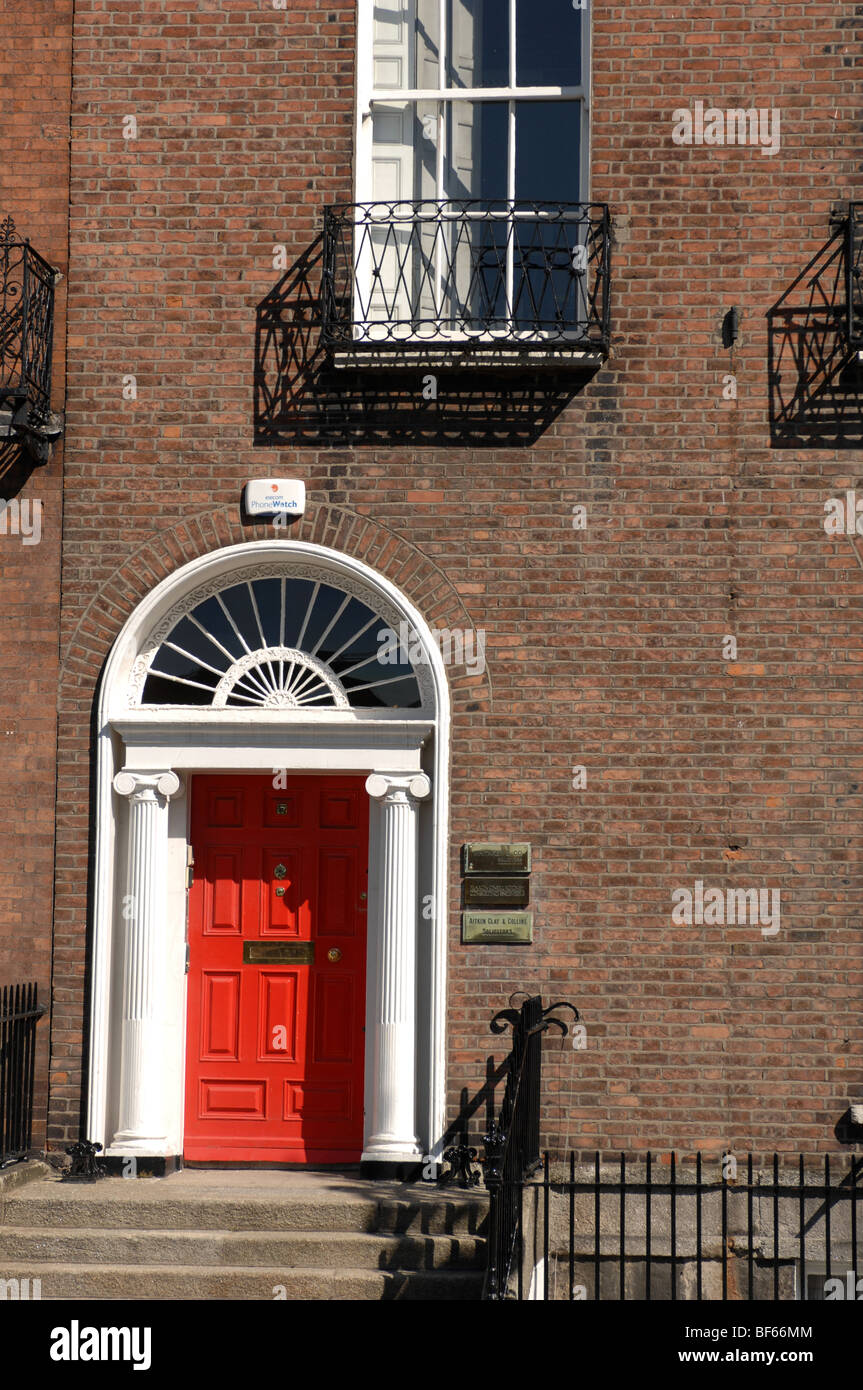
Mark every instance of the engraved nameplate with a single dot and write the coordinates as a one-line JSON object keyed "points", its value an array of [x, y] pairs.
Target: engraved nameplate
{"points": [[499, 927], [497, 892], [496, 859]]}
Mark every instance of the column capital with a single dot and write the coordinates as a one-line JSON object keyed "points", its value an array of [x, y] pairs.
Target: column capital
{"points": [[392, 787], [144, 786]]}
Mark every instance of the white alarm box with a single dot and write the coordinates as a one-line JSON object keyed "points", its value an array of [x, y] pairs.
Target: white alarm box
{"points": [[267, 496]]}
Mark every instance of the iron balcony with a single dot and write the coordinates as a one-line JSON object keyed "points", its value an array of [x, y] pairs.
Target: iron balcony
{"points": [[423, 283], [26, 333]]}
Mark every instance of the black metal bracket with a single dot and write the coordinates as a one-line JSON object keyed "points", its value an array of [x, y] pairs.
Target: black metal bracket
{"points": [[84, 1167], [462, 1159]]}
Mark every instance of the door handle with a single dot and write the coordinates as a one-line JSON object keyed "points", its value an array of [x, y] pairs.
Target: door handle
{"points": [[334, 954]]}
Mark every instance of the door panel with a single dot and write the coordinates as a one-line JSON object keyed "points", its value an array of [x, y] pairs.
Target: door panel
{"points": [[275, 1048]]}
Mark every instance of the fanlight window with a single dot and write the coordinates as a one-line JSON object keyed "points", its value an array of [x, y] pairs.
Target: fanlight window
{"points": [[281, 642]]}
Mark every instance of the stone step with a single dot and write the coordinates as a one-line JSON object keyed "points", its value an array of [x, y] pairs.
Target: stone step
{"points": [[161, 1282], [164, 1204], [283, 1250]]}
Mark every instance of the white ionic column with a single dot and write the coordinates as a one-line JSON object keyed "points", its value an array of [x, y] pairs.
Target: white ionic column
{"points": [[142, 1124], [392, 1102]]}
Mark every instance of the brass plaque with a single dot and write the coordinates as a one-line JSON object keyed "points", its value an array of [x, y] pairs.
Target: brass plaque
{"points": [[278, 952], [496, 859], [500, 927], [497, 892]]}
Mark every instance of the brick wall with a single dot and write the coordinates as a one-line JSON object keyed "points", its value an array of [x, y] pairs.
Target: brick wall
{"points": [[605, 645], [34, 189]]}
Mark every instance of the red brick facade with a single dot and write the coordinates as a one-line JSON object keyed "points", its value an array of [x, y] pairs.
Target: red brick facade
{"points": [[34, 146], [605, 644]]}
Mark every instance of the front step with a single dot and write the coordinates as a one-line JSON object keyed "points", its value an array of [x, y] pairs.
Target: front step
{"points": [[160, 1282], [237, 1249], [148, 1204], [273, 1235]]}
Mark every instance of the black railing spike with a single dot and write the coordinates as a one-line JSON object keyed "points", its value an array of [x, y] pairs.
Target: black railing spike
{"points": [[20, 1011]]}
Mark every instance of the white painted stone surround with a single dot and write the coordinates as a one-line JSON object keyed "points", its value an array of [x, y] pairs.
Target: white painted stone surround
{"points": [[145, 757]]}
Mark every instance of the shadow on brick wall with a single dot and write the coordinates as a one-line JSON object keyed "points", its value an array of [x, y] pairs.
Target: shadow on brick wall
{"points": [[16, 467], [477, 1112], [816, 390], [301, 399]]}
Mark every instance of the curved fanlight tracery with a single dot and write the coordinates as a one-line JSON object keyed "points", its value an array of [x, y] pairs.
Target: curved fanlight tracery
{"points": [[277, 639]]}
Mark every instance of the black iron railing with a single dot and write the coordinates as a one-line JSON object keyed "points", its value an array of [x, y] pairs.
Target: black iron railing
{"points": [[713, 1229], [19, 1013], [854, 274], [512, 1144], [515, 275]]}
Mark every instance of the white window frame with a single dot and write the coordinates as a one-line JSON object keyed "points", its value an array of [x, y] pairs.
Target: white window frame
{"points": [[367, 96]]}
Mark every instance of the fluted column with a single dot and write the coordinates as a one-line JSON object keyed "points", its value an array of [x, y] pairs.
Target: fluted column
{"points": [[142, 1124], [393, 1102]]}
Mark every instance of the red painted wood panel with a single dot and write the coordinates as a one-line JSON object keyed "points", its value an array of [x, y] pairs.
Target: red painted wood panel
{"points": [[275, 1051]]}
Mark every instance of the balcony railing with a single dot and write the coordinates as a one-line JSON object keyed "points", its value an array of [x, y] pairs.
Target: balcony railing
{"points": [[26, 334], [854, 274], [518, 280]]}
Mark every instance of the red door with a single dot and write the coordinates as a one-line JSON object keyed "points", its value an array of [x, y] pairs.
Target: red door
{"points": [[277, 949]]}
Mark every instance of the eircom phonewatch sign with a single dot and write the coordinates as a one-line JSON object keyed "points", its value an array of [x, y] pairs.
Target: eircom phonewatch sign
{"points": [[269, 496]]}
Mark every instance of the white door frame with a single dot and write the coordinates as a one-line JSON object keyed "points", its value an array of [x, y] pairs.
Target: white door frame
{"points": [[159, 747]]}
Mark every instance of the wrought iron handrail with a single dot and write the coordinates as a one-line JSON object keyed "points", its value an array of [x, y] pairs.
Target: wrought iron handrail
{"points": [[466, 273], [512, 1143], [854, 275], [19, 1013], [26, 324]]}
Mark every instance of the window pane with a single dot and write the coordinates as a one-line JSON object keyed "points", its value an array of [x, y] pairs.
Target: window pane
{"points": [[475, 247], [475, 165], [396, 267], [547, 149], [477, 43], [404, 150], [547, 290], [547, 44], [406, 43]]}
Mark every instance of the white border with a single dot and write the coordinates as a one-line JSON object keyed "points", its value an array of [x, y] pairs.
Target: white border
{"points": [[260, 738]]}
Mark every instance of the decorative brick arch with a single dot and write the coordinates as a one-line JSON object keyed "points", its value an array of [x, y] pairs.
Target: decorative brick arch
{"points": [[338, 528]]}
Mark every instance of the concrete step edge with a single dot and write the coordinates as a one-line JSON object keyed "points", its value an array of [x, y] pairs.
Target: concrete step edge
{"points": [[293, 1249], [264, 1271]]}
